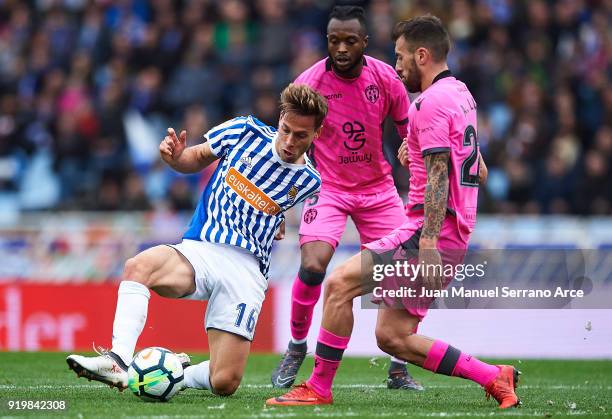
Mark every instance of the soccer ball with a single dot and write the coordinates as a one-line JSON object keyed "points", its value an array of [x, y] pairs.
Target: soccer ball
{"points": [[155, 375]]}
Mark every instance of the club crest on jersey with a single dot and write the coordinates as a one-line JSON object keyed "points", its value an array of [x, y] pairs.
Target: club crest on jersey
{"points": [[310, 215], [250, 192], [292, 194], [372, 93]]}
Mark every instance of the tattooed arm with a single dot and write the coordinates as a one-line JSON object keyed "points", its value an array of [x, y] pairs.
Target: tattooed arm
{"points": [[436, 196], [436, 200]]}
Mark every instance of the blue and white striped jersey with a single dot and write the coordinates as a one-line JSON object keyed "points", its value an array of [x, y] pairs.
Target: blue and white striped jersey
{"points": [[245, 199]]}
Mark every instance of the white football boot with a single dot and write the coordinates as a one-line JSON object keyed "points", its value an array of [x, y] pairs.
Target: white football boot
{"points": [[185, 360], [107, 367]]}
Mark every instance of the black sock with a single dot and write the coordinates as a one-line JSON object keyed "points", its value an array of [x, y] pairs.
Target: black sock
{"points": [[396, 368], [297, 347]]}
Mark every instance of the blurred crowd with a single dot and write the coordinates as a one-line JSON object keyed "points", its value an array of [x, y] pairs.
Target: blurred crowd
{"points": [[88, 87]]}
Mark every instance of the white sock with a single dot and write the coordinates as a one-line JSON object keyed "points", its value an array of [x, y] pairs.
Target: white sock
{"points": [[130, 318], [298, 341], [198, 376], [399, 361]]}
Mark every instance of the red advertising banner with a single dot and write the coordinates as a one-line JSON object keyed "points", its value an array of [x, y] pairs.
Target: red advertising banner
{"points": [[71, 317]]}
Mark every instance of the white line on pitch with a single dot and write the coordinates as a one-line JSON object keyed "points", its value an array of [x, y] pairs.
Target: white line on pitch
{"points": [[450, 386], [274, 413], [339, 386]]}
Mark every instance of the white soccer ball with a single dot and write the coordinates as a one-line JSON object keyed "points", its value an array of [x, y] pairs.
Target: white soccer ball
{"points": [[155, 374]]}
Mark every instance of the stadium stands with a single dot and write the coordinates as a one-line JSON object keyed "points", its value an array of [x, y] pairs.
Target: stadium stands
{"points": [[88, 87]]}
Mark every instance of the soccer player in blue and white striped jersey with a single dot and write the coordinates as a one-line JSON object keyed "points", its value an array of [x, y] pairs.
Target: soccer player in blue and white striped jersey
{"points": [[252, 186], [225, 253]]}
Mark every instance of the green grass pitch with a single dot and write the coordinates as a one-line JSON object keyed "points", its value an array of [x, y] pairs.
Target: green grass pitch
{"points": [[547, 388]]}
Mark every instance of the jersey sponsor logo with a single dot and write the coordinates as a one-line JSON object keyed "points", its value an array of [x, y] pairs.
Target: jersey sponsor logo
{"points": [[355, 135], [372, 93], [310, 215], [355, 132], [333, 96], [355, 158], [251, 193], [420, 131], [293, 191]]}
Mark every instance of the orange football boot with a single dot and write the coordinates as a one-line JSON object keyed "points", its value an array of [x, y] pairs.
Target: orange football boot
{"points": [[300, 395], [503, 386]]}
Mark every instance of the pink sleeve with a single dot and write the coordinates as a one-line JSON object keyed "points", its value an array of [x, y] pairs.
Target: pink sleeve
{"points": [[399, 106], [300, 79], [304, 78], [432, 126]]}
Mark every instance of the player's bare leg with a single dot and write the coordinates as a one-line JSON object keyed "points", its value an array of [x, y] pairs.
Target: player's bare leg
{"points": [[386, 214], [398, 337], [223, 373], [342, 286], [161, 269], [306, 290], [315, 257], [395, 335]]}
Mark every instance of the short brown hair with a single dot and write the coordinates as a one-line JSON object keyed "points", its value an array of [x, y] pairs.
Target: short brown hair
{"points": [[424, 31], [305, 101]]}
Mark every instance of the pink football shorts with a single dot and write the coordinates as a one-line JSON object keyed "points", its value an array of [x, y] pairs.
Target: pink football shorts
{"points": [[403, 244], [375, 215]]}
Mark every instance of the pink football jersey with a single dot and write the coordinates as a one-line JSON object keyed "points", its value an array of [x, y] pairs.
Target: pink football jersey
{"points": [[443, 118], [349, 153]]}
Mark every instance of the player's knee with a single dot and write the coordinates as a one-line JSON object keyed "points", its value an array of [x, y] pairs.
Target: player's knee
{"points": [[315, 257], [138, 270], [311, 277], [225, 382], [313, 265], [389, 341], [386, 341]]}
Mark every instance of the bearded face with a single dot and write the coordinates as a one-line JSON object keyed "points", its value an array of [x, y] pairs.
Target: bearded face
{"points": [[406, 66], [413, 77]]}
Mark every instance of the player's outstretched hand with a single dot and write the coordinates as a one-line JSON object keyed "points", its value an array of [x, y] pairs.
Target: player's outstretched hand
{"points": [[172, 146], [432, 271], [280, 234], [402, 154]]}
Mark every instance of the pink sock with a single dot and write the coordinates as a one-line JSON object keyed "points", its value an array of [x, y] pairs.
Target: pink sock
{"points": [[435, 355], [445, 359], [303, 299], [327, 359], [474, 369]]}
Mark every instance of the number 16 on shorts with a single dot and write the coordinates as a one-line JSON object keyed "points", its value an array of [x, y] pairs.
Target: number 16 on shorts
{"points": [[251, 320]]}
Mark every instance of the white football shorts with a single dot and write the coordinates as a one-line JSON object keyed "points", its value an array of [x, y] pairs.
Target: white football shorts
{"points": [[229, 278]]}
